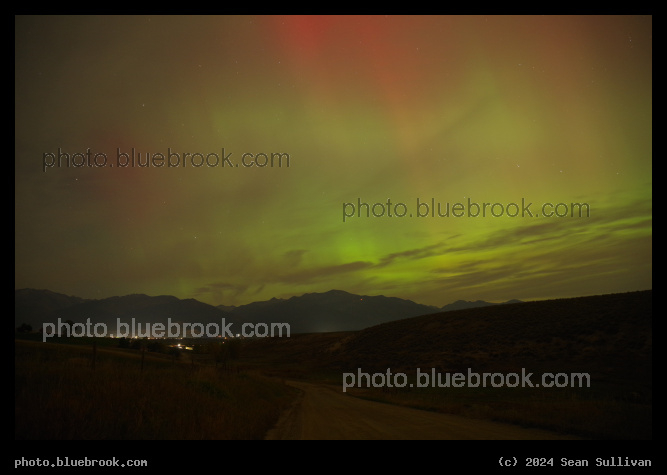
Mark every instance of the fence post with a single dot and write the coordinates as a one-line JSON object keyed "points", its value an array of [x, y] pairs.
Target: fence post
{"points": [[94, 352]]}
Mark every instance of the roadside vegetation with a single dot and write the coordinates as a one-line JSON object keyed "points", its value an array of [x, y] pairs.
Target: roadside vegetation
{"points": [[129, 395]]}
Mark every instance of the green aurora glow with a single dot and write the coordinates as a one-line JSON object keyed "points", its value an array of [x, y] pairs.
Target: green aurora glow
{"points": [[549, 109]]}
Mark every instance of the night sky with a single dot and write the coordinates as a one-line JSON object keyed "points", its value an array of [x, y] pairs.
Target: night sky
{"points": [[438, 109]]}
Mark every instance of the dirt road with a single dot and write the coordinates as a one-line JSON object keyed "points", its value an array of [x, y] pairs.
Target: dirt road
{"points": [[324, 413]]}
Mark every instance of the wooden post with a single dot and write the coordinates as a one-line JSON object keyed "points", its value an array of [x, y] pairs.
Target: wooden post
{"points": [[94, 353], [143, 352]]}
